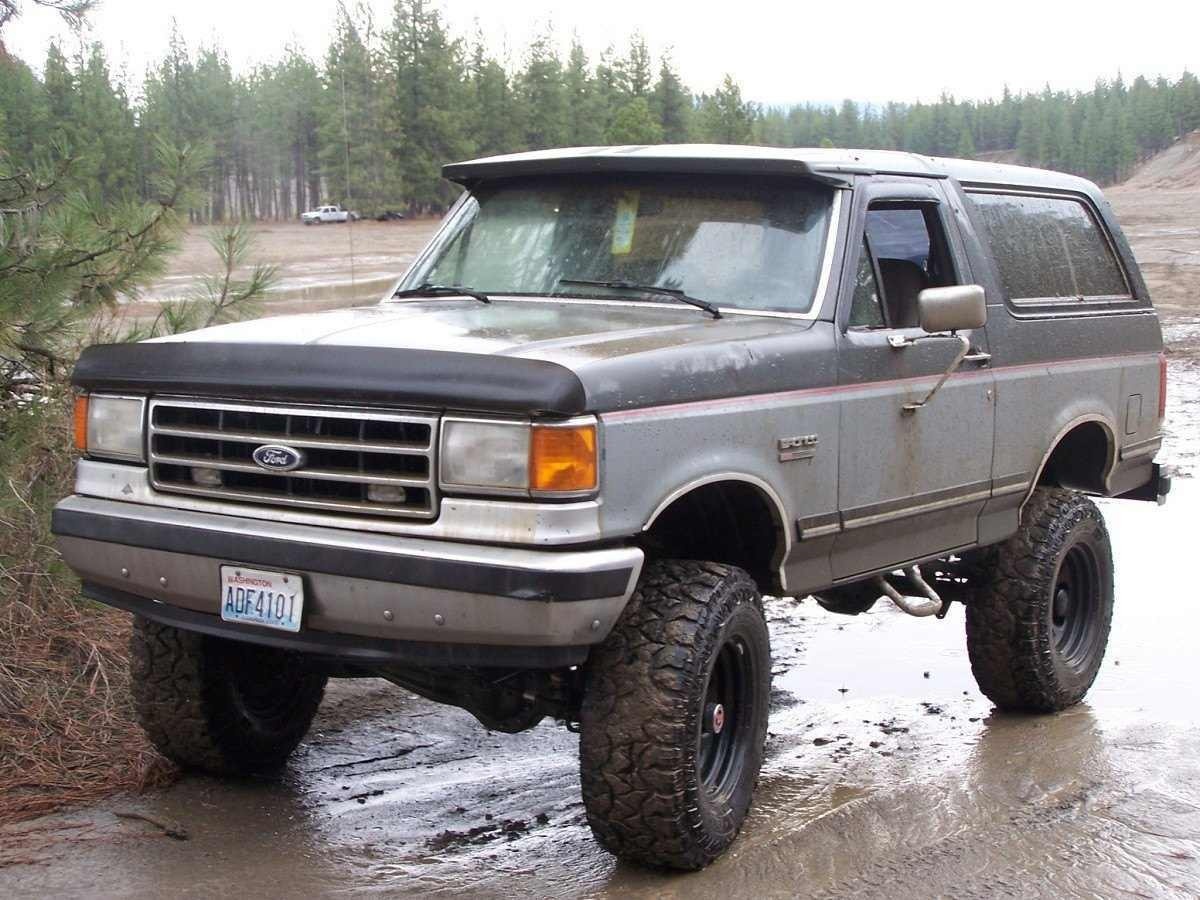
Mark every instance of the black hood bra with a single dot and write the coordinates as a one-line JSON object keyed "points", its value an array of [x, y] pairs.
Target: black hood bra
{"points": [[367, 375]]}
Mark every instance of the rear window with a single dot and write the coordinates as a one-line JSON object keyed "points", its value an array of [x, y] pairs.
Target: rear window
{"points": [[1048, 248]]}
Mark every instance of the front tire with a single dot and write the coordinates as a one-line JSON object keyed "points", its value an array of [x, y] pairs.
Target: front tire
{"points": [[674, 716], [1038, 626], [224, 707]]}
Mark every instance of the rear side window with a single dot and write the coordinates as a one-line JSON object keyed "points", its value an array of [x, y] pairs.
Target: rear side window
{"points": [[1048, 248]]}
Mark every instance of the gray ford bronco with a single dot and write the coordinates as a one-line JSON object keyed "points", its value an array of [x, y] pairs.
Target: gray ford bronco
{"points": [[623, 394]]}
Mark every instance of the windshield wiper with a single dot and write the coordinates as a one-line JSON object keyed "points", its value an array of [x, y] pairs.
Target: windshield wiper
{"points": [[442, 290], [649, 289]]}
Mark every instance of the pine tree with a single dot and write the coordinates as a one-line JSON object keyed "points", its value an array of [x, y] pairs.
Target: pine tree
{"points": [[543, 96], [919, 134], [425, 88], [1031, 138], [102, 130], [495, 127], [357, 138], [945, 125], [848, 125], [1123, 143], [965, 148], [635, 123], [583, 119], [724, 118], [23, 107], [607, 89], [1187, 103], [635, 69], [215, 112], [672, 103], [63, 254], [1062, 151]]}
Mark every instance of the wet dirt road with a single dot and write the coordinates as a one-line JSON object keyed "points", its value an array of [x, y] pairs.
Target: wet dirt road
{"points": [[318, 267], [887, 774]]}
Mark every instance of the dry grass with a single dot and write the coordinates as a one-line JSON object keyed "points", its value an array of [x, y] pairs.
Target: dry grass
{"points": [[67, 731]]}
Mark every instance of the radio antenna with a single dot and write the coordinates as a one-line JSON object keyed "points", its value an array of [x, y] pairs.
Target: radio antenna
{"points": [[349, 197]]}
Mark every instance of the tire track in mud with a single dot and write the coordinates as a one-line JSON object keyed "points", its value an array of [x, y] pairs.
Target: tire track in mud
{"points": [[1031, 852]]}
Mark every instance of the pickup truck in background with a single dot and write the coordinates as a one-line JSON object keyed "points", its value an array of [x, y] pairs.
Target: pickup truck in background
{"points": [[325, 214]]}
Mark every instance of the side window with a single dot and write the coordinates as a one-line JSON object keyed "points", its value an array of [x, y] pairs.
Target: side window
{"points": [[1048, 248], [911, 253], [866, 309]]}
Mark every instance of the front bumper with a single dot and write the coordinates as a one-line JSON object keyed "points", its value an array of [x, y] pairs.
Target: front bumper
{"points": [[369, 598]]}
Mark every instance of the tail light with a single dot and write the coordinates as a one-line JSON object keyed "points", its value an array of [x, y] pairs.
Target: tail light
{"points": [[1162, 386]]}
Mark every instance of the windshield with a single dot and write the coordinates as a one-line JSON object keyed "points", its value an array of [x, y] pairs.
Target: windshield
{"points": [[749, 243]]}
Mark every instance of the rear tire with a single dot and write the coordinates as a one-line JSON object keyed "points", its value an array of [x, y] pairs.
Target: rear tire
{"points": [[674, 716], [224, 707], [1038, 626]]}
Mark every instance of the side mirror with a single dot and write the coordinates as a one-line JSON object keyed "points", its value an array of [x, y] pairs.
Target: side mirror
{"points": [[959, 307]]}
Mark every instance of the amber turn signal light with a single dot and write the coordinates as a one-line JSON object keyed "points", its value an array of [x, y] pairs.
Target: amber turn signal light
{"points": [[562, 459], [81, 422]]}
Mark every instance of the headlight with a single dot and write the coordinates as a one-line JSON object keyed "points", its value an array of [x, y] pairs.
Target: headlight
{"points": [[110, 427], [519, 458], [482, 454]]}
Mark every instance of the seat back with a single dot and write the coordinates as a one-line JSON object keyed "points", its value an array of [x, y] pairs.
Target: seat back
{"points": [[903, 280]]}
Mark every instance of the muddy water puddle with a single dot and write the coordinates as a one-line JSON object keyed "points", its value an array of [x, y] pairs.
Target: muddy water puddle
{"points": [[887, 775]]}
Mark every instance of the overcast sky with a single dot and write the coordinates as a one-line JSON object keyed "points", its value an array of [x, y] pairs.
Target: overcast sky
{"points": [[780, 52]]}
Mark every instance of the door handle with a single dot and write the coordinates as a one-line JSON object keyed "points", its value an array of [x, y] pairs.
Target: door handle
{"points": [[978, 356]]}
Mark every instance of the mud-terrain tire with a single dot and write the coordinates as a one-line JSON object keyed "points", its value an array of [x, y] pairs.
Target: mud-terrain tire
{"points": [[1038, 624], [674, 716], [225, 707]]}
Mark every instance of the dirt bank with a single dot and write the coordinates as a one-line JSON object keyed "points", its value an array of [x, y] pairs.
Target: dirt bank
{"points": [[1163, 226]]}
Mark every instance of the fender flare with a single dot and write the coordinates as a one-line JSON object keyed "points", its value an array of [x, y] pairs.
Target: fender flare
{"points": [[774, 503], [1109, 434]]}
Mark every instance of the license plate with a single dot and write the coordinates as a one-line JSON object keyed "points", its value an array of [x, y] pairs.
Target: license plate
{"points": [[272, 599]]}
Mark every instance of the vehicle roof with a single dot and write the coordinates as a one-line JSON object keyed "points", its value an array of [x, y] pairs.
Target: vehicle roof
{"points": [[834, 166]]}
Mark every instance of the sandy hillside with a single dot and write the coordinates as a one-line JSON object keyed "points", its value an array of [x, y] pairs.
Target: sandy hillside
{"points": [[1159, 208], [1175, 169]]}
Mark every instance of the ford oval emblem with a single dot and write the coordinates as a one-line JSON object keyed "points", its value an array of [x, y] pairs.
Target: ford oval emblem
{"points": [[278, 458]]}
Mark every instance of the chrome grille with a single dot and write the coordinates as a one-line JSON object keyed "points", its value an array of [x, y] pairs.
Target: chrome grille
{"points": [[207, 448]]}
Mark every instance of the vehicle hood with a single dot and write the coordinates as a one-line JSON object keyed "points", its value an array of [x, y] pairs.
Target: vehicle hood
{"points": [[569, 333], [617, 355]]}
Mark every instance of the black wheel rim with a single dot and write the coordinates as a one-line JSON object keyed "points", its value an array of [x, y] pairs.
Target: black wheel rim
{"points": [[1075, 605], [726, 718], [266, 684]]}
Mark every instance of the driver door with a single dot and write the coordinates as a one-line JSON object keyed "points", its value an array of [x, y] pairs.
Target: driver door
{"points": [[911, 484]]}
